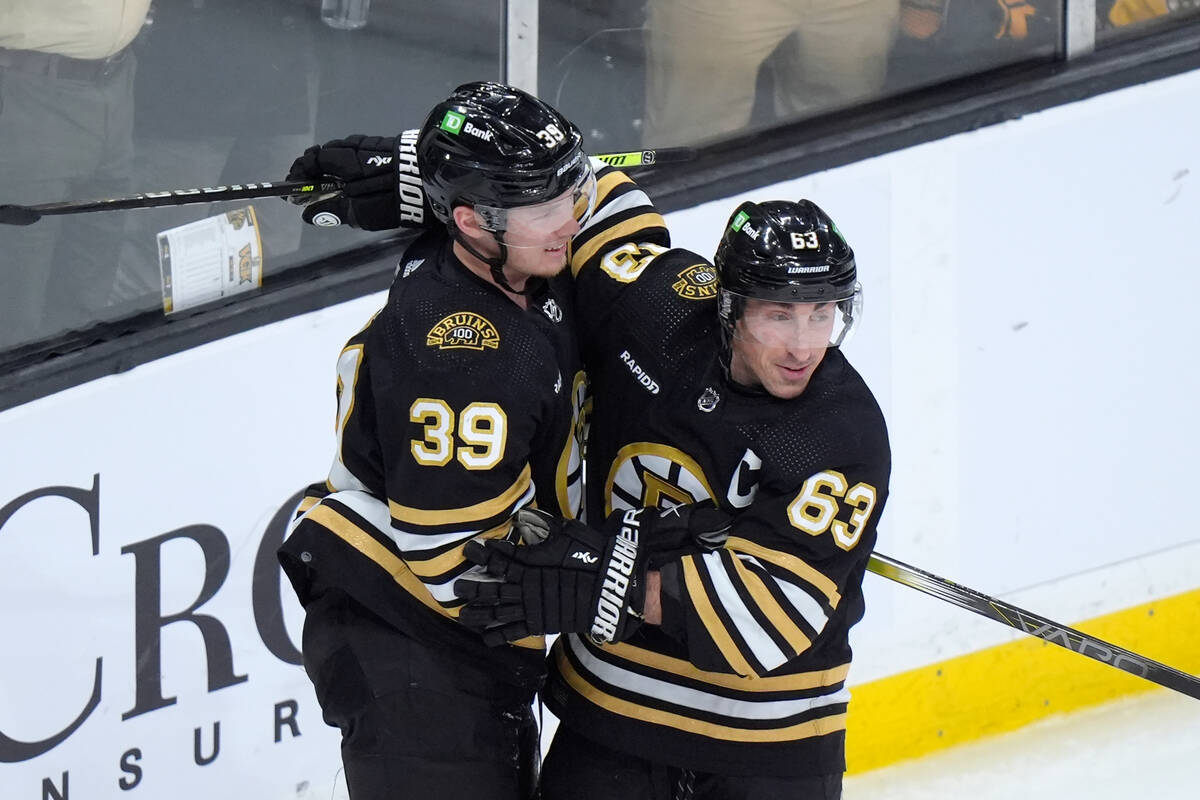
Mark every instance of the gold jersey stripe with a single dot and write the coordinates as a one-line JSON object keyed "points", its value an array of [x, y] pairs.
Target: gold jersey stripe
{"points": [[485, 509], [562, 475], [604, 186], [771, 608], [801, 681], [789, 562], [613, 233], [440, 565], [607, 183], [708, 615], [610, 233], [305, 504], [365, 543], [625, 708]]}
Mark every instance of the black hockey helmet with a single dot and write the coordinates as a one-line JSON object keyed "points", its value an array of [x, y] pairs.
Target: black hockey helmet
{"points": [[496, 147], [784, 251], [513, 159]]}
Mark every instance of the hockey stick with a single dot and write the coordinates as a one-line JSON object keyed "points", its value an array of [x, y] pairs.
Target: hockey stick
{"points": [[1035, 625], [648, 158], [27, 215], [295, 190]]}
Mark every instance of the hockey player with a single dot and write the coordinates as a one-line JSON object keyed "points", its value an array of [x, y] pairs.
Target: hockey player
{"points": [[720, 674], [458, 403]]}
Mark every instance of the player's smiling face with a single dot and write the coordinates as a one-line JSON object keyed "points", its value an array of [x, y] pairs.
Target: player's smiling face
{"points": [[540, 250], [778, 346], [523, 258], [535, 237]]}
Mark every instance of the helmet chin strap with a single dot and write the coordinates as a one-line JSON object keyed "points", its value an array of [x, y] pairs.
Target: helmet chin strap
{"points": [[725, 356], [496, 263]]}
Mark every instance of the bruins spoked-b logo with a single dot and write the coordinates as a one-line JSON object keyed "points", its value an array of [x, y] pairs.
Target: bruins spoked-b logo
{"points": [[697, 282], [655, 476], [463, 329]]}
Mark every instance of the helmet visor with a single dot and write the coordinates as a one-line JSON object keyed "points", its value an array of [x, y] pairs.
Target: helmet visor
{"points": [[549, 224], [775, 324]]}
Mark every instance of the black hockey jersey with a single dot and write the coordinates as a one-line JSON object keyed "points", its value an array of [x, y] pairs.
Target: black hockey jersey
{"points": [[455, 408], [746, 674]]}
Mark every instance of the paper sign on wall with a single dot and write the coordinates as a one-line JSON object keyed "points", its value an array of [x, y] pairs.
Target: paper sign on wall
{"points": [[209, 259]]}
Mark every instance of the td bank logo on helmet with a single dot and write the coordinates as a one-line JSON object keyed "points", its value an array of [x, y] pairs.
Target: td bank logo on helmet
{"points": [[457, 123], [739, 224], [452, 122]]}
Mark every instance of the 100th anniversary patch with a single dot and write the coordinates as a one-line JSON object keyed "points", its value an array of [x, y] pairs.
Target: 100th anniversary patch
{"points": [[697, 282], [463, 329]]}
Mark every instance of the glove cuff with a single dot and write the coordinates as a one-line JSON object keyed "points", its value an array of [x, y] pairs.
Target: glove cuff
{"points": [[412, 206], [621, 594]]}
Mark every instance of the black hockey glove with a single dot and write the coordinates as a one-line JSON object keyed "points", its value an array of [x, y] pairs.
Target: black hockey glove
{"points": [[375, 195], [578, 579]]}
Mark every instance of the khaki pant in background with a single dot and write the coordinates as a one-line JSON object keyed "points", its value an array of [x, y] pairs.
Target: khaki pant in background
{"points": [[703, 58]]}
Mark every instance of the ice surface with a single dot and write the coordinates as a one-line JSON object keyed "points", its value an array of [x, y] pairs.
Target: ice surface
{"points": [[1141, 747]]}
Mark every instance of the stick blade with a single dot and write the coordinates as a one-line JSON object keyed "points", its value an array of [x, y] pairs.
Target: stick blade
{"points": [[18, 215]]}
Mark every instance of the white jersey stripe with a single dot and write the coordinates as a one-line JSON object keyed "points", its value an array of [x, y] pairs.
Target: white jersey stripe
{"points": [[756, 637], [370, 508], [656, 690], [342, 479], [410, 541], [804, 604], [633, 199]]}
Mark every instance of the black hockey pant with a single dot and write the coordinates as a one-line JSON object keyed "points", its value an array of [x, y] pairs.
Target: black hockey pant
{"points": [[415, 724], [577, 768]]}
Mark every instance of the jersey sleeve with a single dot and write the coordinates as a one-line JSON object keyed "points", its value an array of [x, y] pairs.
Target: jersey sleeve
{"points": [[627, 274], [784, 575], [623, 215]]}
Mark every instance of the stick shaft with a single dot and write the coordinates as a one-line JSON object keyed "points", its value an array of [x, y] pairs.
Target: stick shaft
{"points": [[25, 215], [181, 197], [1035, 625], [647, 158]]}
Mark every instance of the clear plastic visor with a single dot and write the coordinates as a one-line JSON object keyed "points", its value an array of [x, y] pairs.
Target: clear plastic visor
{"points": [[544, 225], [796, 326]]}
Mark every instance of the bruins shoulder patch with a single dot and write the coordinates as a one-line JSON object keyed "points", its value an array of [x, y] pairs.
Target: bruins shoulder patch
{"points": [[697, 282], [463, 329]]}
